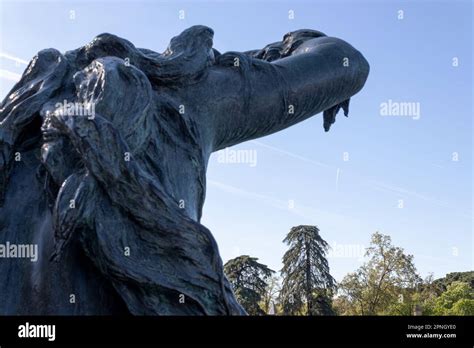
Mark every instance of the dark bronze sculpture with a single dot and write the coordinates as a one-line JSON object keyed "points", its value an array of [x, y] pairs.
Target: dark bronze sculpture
{"points": [[113, 195]]}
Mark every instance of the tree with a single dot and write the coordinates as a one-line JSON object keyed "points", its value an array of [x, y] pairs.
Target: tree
{"points": [[384, 283], [462, 307], [443, 283], [419, 299], [249, 282], [426, 293], [270, 297], [342, 306], [307, 284], [458, 299]]}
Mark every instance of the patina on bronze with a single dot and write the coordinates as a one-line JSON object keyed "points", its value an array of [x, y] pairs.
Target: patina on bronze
{"points": [[113, 196]]}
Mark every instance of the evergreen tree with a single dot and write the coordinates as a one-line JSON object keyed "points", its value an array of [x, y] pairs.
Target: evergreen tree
{"points": [[307, 286], [249, 282]]}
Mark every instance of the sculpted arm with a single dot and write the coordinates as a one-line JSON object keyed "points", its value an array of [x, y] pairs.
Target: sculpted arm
{"points": [[261, 97]]}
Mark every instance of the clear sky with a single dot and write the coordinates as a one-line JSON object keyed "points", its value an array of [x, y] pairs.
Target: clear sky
{"points": [[401, 176]]}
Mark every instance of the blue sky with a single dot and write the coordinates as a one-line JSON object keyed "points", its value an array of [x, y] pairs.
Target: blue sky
{"points": [[300, 176]]}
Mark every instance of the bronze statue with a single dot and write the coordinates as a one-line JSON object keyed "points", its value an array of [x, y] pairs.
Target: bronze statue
{"points": [[112, 191]]}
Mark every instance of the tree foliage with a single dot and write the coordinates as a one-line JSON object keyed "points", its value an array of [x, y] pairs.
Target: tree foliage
{"points": [[307, 285], [386, 284], [269, 302], [383, 284], [442, 284], [249, 282], [458, 299]]}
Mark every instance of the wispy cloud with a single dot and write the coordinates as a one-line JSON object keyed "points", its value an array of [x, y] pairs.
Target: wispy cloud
{"points": [[405, 192], [13, 58], [274, 202], [380, 186], [291, 154], [310, 213], [9, 75]]}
